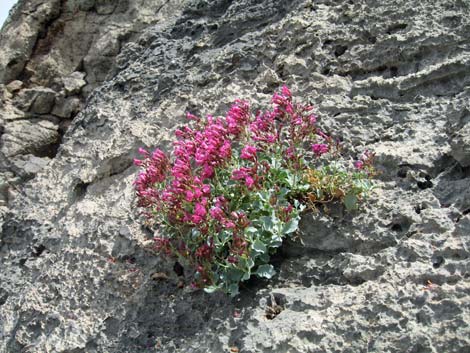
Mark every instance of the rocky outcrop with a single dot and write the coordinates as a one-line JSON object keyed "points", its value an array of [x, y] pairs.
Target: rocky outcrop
{"points": [[77, 273], [54, 53]]}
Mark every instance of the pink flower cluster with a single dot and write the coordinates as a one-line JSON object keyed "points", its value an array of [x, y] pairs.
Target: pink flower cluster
{"points": [[186, 192], [365, 161], [320, 149], [155, 166]]}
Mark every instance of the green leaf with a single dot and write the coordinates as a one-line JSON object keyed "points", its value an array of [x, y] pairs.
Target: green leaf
{"points": [[275, 241], [263, 196], [259, 247], [283, 193], [266, 271], [267, 222], [350, 201], [246, 276], [251, 230], [233, 290], [246, 263], [292, 179], [211, 289], [222, 237], [291, 226], [234, 275]]}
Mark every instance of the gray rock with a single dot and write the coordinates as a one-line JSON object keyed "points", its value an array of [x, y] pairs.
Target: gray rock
{"points": [[461, 146], [67, 107], [14, 86], [38, 100], [33, 136], [30, 164], [105, 7], [391, 76], [73, 83], [86, 5]]}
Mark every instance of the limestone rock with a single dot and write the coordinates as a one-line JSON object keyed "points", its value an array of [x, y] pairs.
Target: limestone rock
{"points": [[391, 76], [461, 146], [73, 83], [38, 100], [34, 136], [30, 164], [14, 86], [67, 107]]}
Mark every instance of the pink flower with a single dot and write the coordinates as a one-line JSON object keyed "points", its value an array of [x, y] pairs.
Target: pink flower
{"points": [[196, 219], [297, 120], [320, 148], [143, 152], [217, 213], [248, 152], [312, 119], [249, 182], [290, 154], [359, 164], [207, 172], [189, 196], [240, 174], [322, 134], [228, 224], [286, 92], [200, 210], [238, 116], [190, 116], [206, 189]]}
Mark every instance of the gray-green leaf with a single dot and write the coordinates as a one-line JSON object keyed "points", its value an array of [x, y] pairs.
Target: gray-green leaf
{"points": [[259, 247], [350, 201], [291, 226], [266, 271]]}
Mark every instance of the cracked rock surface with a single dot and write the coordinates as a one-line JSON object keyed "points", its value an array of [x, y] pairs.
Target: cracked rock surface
{"points": [[76, 271]]}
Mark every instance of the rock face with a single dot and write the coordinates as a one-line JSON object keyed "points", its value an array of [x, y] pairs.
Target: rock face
{"points": [[76, 271]]}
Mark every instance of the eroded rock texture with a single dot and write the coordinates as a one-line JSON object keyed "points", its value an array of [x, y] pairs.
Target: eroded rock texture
{"points": [[391, 75]]}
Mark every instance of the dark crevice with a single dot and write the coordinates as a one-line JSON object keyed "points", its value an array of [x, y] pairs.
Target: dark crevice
{"points": [[340, 50], [38, 47], [3, 298], [80, 190], [49, 150], [275, 305], [38, 250], [424, 184], [437, 261], [403, 171], [396, 28]]}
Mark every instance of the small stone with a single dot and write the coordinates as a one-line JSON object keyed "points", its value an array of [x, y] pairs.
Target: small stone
{"points": [[86, 5], [66, 108], [38, 100], [105, 7], [31, 164], [44, 102], [159, 276], [14, 86]]}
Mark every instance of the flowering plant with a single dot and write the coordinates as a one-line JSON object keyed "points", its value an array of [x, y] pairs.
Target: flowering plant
{"points": [[236, 186]]}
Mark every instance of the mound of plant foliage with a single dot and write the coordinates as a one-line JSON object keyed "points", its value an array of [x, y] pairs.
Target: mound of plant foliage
{"points": [[235, 186]]}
